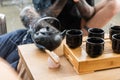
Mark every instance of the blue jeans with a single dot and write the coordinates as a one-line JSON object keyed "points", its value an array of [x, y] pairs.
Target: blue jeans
{"points": [[9, 43]]}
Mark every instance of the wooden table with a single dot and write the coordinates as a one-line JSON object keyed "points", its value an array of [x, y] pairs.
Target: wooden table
{"points": [[33, 66]]}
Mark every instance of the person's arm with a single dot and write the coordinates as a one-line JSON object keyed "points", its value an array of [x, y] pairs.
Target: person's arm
{"points": [[85, 9]]}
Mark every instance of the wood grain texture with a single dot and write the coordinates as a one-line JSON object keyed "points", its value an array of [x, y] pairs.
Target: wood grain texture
{"points": [[85, 64]]}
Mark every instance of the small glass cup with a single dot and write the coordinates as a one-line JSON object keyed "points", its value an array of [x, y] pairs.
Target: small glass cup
{"points": [[74, 38], [96, 32], [116, 43], [94, 46], [114, 30]]}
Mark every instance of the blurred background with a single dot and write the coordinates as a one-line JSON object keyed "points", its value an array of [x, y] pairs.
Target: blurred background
{"points": [[115, 20], [12, 8]]}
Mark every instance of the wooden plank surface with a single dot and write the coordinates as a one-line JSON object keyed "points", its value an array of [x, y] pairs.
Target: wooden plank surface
{"points": [[85, 64], [36, 64]]}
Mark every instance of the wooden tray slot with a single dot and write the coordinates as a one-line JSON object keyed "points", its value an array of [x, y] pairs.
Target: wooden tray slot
{"points": [[84, 64]]}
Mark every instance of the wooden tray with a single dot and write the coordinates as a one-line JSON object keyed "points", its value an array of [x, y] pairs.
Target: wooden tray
{"points": [[82, 63]]}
